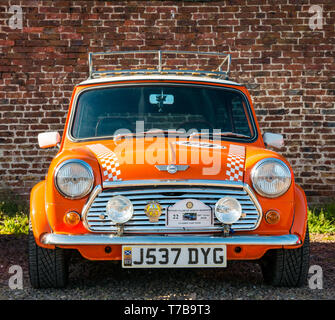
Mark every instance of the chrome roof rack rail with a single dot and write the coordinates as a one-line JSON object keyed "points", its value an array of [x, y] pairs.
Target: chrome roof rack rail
{"points": [[218, 72]]}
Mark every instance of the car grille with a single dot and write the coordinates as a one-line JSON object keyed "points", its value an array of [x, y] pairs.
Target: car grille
{"points": [[96, 219]]}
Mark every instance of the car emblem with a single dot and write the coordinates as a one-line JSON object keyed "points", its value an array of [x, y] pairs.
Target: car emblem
{"points": [[189, 205], [153, 210], [172, 168]]}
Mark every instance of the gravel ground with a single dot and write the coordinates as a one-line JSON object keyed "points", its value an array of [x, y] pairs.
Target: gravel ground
{"points": [[106, 280]]}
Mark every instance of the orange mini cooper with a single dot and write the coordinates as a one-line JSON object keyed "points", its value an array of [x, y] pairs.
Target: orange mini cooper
{"points": [[166, 168]]}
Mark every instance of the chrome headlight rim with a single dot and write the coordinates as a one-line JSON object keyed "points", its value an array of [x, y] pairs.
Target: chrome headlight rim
{"points": [[254, 171], [86, 166]]}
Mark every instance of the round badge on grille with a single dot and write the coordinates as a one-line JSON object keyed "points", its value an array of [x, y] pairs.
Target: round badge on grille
{"points": [[189, 205], [172, 168], [153, 210]]}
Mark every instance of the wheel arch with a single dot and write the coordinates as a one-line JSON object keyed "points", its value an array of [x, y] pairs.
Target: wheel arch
{"points": [[38, 218], [299, 224]]}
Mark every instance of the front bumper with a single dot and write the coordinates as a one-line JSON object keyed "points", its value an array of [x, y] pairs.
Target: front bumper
{"points": [[104, 239]]}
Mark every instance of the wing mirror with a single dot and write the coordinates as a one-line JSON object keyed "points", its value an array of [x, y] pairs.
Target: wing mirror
{"points": [[48, 139], [275, 140]]}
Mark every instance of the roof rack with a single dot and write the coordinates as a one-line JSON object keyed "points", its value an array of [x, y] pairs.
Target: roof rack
{"points": [[217, 73]]}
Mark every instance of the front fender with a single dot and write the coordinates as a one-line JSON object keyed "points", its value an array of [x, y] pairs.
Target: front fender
{"points": [[38, 217], [299, 225]]}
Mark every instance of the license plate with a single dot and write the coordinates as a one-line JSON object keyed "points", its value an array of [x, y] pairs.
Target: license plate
{"points": [[189, 213], [174, 256]]}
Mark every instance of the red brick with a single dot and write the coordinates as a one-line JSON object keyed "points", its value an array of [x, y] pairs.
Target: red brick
{"points": [[288, 67]]}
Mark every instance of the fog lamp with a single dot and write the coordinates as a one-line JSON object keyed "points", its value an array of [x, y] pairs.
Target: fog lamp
{"points": [[228, 210], [119, 209]]}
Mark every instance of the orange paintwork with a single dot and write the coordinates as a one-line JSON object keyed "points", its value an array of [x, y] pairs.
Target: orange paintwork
{"points": [[48, 206], [38, 218]]}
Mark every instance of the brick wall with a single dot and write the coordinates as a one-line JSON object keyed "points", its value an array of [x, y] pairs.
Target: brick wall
{"points": [[289, 69]]}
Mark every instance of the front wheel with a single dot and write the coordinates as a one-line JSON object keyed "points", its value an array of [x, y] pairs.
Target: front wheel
{"points": [[48, 268], [286, 267]]}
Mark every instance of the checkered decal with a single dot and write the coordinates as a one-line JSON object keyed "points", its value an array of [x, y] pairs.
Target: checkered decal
{"points": [[235, 163], [108, 162]]}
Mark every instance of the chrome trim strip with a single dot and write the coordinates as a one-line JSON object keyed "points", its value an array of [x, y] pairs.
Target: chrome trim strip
{"points": [[247, 188], [146, 223], [156, 182], [93, 239], [88, 204], [239, 193], [162, 230], [136, 199], [142, 202]]}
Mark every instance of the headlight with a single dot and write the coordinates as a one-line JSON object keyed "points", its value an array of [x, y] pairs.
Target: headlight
{"points": [[271, 177], [119, 209], [228, 210], [74, 179]]}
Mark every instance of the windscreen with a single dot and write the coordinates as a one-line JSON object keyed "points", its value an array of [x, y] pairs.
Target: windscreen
{"points": [[106, 112]]}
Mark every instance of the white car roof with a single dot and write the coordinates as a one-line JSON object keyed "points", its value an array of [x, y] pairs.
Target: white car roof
{"points": [[157, 77]]}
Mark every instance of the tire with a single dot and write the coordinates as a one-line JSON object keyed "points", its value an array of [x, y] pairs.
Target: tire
{"points": [[48, 268], [286, 267]]}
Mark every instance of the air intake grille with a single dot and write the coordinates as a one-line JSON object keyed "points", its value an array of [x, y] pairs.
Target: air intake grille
{"points": [[97, 220]]}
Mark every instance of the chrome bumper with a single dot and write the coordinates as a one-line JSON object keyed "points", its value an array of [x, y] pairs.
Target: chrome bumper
{"points": [[103, 239]]}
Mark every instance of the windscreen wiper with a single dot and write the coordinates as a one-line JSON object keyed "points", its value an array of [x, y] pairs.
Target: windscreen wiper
{"points": [[220, 134], [145, 133]]}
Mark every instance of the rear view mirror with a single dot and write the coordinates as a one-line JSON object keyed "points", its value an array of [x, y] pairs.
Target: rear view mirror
{"points": [[275, 140], [161, 98], [48, 139]]}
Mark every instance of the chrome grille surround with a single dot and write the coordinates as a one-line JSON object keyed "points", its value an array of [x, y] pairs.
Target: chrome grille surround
{"points": [[168, 192]]}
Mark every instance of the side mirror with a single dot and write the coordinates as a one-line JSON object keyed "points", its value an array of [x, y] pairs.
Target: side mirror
{"points": [[275, 140], [48, 139]]}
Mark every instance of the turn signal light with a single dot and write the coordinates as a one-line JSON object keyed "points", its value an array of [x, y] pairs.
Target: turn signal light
{"points": [[72, 218], [272, 217]]}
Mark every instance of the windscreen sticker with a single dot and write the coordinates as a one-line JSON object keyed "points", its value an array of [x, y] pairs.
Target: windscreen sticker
{"points": [[108, 161], [200, 144], [235, 163]]}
